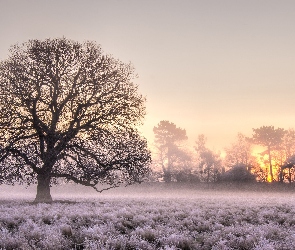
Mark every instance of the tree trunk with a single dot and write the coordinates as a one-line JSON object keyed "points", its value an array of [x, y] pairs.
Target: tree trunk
{"points": [[281, 175], [167, 176], [43, 188], [270, 165], [167, 173]]}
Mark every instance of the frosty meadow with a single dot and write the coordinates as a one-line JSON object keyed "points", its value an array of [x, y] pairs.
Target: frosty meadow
{"points": [[149, 217]]}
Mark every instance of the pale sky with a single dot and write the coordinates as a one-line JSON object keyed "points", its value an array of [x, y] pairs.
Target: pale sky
{"points": [[212, 67]]}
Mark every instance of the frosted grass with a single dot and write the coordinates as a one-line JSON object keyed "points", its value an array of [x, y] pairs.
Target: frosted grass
{"points": [[197, 220]]}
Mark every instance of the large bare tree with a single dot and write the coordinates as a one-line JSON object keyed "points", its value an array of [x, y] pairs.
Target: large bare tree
{"points": [[69, 111]]}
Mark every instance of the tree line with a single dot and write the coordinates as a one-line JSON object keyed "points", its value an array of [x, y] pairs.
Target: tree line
{"points": [[174, 161], [70, 112]]}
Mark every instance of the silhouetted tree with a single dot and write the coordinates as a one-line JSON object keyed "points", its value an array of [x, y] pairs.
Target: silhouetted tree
{"points": [[288, 143], [281, 154], [167, 135], [69, 111], [209, 161], [240, 152], [270, 138], [201, 143], [288, 165], [181, 165]]}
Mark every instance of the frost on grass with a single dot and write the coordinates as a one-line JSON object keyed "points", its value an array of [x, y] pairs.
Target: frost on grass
{"points": [[153, 223]]}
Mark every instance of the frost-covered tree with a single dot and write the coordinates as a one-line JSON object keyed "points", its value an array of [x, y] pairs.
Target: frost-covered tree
{"points": [[167, 138], [69, 111]]}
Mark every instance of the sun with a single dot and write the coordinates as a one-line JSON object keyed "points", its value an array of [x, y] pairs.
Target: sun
{"points": [[269, 179]]}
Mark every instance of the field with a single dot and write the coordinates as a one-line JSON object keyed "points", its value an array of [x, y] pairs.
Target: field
{"points": [[148, 217]]}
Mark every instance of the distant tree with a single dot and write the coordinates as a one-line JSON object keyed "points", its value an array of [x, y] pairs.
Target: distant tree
{"points": [[270, 138], [209, 161], [167, 138], [278, 158], [182, 166], [288, 143], [288, 165], [240, 152], [238, 173], [260, 173], [69, 111], [201, 143], [281, 154]]}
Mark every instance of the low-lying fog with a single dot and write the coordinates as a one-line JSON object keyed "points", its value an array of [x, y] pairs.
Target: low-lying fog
{"points": [[265, 193], [150, 216]]}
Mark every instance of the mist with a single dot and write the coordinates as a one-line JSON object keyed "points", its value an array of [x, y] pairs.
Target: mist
{"points": [[181, 111]]}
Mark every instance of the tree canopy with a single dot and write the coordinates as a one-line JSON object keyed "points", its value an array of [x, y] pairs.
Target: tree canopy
{"points": [[209, 161], [167, 135], [270, 138], [239, 153], [68, 110]]}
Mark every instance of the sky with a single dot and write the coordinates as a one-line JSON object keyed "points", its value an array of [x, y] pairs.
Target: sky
{"points": [[213, 67]]}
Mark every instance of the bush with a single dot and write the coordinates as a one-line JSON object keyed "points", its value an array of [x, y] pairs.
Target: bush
{"points": [[238, 173]]}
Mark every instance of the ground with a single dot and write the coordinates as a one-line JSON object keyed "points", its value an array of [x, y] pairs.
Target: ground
{"points": [[148, 217]]}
